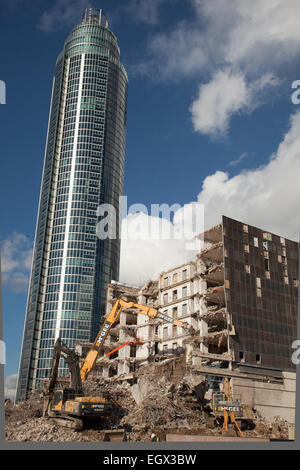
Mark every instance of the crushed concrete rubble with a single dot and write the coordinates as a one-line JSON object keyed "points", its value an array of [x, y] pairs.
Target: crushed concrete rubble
{"points": [[161, 398]]}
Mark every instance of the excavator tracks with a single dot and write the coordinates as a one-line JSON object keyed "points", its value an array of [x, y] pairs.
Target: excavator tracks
{"points": [[69, 422]]}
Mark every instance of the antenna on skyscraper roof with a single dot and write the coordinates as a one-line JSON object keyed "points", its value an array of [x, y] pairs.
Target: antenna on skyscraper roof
{"points": [[95, 16]]}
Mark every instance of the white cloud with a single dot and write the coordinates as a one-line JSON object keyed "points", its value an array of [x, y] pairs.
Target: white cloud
{"points": [[151, 244], [223, 96], [255, 36], [10, 386], [226, 94], [178, 54], [265, 26], [267, 197], [63, 13], [252, 41], [16, 255], [239, 159]]}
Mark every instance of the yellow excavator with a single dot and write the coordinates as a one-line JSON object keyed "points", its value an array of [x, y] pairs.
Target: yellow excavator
{"points": [[68, 405], [229, 407], [112, 317]]}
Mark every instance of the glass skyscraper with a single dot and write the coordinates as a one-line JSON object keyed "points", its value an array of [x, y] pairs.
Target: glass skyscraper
{"points": [[83, 168]]}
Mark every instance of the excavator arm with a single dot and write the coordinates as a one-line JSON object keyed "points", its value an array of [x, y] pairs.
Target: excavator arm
{"points": [[71, 358], [112, 317], [135, 342]]}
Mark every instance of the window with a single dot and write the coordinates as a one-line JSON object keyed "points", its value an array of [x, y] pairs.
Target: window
{"points": [[258, 282], [247, 268], [184, 274], [255, 240], [257, 358], [245, 238], [175, 312], [166, 282], [184, 291], [184, 309], [174, 278], [245, 228], [174, 347], [57, 398], [267, 265], [242, 356], [165, 298], [258, 292], [246, 248], [174, 294], [165, 332], [132, 351], [165, 348]]}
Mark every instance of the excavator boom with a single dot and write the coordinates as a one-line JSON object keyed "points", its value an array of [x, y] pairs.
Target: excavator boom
{"points": [[112, 317]]}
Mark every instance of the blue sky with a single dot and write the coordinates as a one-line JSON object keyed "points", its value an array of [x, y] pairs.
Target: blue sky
{"points": [[210, 119]]}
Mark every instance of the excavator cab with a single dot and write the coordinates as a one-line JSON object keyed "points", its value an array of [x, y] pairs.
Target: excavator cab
{"points": [[60, 396], [57, 400]]}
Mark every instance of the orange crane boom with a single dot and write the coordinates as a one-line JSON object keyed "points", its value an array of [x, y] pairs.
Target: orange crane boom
{"points": [[111, 318]]}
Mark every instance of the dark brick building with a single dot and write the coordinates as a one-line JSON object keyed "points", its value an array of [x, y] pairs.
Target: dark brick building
{"points": [[261, 272]]}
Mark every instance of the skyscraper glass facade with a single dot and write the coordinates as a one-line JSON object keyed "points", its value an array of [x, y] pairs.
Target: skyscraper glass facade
{"points": [[83, 168]]}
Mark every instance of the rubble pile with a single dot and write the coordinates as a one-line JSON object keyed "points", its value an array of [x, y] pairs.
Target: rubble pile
{"points": [[28, 410], [43, 430], [278, 428], [154, 404], [165, 397]]}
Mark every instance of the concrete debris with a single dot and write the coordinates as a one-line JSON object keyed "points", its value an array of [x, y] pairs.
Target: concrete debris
{"points": [[161, 398]]}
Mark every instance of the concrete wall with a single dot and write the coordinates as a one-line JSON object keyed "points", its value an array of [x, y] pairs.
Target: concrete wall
{"points": [[269, 399]]}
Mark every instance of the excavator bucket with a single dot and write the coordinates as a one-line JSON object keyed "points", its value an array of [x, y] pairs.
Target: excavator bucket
{"points": [[113, 435]]}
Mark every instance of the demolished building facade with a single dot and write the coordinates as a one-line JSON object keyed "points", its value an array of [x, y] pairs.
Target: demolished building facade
{"points": [[240, 296]]}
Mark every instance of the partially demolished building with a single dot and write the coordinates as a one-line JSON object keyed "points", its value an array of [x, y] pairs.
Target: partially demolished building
{"points": [[240, 295]]}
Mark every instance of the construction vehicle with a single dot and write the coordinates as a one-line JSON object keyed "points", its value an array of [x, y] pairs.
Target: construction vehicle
{"points": [[225, 405], [111, 318], [68, 405]]}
